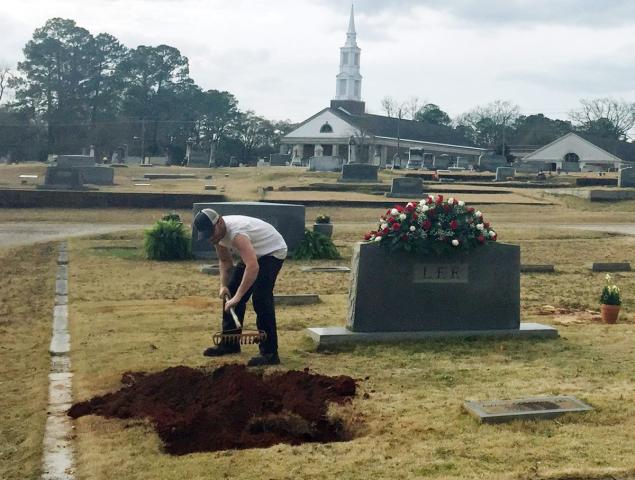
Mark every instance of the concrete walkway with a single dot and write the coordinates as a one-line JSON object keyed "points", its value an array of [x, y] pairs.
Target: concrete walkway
{"points": [[13, 234]]}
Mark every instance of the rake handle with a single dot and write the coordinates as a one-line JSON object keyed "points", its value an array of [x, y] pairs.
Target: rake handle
{"points": [[233, 314]]}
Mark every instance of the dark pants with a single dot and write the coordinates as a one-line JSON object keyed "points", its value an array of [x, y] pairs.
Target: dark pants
{"points": [[262, 297]]}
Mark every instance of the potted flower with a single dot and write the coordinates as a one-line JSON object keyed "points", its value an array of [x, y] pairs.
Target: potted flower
{"points": [[323, 225], [610, 301]]}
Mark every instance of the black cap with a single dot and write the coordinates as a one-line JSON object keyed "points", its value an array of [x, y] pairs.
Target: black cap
{"points": [[205, 221]]}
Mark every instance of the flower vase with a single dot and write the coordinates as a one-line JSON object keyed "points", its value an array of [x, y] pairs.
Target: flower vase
{"points": [[609, 313]]}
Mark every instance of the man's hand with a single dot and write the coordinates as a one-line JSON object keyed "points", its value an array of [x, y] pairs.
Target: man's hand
{"points": [[232, 302], [224, 292]]}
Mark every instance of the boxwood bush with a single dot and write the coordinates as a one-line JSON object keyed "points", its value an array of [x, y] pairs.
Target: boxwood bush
{"points": [[167, 240], [316, 246]]}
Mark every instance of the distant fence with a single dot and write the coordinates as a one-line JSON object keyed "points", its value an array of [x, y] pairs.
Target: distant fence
{"points": [[95, 199]]}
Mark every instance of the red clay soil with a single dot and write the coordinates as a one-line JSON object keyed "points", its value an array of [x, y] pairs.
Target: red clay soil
{"points": [[194, 410]]}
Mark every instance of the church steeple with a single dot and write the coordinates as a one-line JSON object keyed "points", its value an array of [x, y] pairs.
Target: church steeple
{"points": [[349, 81]]}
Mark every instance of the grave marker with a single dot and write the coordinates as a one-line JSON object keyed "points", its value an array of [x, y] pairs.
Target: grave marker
{"points": [[498, 411]]}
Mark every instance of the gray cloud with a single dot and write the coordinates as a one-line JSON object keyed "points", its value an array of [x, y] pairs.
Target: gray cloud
{"points": [[501, 12]]}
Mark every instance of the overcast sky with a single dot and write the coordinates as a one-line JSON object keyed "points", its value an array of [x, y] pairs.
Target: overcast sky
{"points": [[280, 57]]}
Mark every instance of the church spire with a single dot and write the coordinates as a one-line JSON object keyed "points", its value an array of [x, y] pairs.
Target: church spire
{"points": [[349, 80]]}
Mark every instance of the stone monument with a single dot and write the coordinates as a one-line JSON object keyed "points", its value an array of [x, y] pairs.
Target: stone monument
{"points": [[359, 172], [409, 187], [626, 178]]}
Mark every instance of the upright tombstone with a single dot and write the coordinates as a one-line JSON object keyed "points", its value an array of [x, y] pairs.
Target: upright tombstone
{"points": [[279, 159], [289, 220], [475, 293], [408, 187], [325, 164], [626, 178], [359, 172], [503, 173], [62, 178], [441, 162]]}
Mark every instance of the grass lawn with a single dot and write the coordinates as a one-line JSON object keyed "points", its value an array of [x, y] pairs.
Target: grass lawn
{"points": [[27, 283], [407, 416], [128, 314]]}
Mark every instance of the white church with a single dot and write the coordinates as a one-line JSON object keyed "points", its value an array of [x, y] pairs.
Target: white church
{"points": [[345, 133]]}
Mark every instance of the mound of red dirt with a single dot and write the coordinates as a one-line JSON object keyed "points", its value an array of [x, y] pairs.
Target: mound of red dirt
{"points": [[194, 410]]}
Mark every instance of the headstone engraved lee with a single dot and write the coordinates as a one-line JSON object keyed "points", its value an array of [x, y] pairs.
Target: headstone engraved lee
{"points": [[438, 273]]}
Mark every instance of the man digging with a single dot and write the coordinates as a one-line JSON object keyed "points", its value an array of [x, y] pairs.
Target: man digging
{"points": [[262, 251]]}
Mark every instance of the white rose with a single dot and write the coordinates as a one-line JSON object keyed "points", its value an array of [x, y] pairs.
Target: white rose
{"points": [[455, 242], [384, 225], [480, 226], [402, 216], [410, 204], [378, 239], [478, 213], [451, 200], [424, 208], [492, 233], [412, 228], [394, 211], [461, 203]]}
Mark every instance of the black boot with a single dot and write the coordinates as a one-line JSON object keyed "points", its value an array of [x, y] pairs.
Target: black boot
{"points": [[264, 359], [222, 349]]}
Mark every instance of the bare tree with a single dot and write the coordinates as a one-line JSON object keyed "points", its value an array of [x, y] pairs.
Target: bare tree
{"points": [[619, 113], [389, 105], [489, 122], [411, 107], [6, 75]]}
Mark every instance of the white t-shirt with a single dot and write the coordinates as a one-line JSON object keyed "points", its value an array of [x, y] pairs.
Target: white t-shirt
{"points": [[265, 239]]}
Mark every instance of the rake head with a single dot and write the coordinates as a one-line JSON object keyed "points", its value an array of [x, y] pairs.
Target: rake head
{"points": [[245, 338]]}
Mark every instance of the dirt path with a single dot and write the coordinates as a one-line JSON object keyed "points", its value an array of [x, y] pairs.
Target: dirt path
{"points": [[26, 233]]}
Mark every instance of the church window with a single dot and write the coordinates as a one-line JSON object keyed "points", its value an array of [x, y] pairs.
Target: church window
{"points": [[344, 58], [358, 86], [572, 157], [342, 86], [326, 128], [357, 59]]}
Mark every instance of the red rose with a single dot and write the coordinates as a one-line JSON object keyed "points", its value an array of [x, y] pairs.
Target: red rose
{"points": [[391, 220], [427, 225], [470, 209], [439, 198], [385, 231], [446, 208], [429, 200], [367, 236], [481, 238], [410, 207], [494, 237], [396, 226], [399, 208], [454, 224], [486, 224], [414, 216]]}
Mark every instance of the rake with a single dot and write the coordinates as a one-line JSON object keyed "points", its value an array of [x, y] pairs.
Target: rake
{"points": [[239, 337]]}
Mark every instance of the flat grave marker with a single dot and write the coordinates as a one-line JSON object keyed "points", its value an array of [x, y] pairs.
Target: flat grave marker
{"points": [[611, 267], [325, 269], [498, 411], [537, 268]]}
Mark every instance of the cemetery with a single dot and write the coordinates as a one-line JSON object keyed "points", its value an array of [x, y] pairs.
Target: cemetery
{"points": [[545, 340], [453, 305]]}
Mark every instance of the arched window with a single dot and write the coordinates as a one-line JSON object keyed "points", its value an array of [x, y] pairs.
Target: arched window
{"points": [[572, 157], [326, 128]]}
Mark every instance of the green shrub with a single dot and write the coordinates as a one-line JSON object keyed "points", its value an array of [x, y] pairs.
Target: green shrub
{"points": [[316, 246], [167, 240], [172, 217]]}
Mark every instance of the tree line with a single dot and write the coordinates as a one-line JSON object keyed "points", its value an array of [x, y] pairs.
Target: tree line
{"points": [[74, 89], [500, 124]]}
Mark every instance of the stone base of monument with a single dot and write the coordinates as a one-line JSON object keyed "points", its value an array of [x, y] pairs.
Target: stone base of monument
{"points": [[325, 337]]}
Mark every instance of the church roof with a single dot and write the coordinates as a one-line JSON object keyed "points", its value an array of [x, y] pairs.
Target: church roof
{"points": [[390, 127], [622, 150]]}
